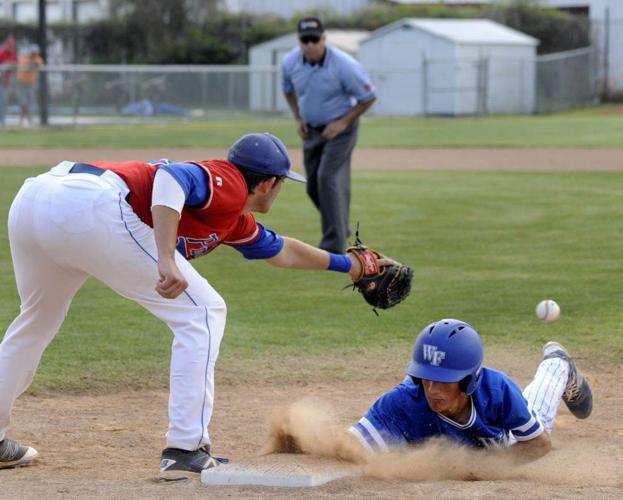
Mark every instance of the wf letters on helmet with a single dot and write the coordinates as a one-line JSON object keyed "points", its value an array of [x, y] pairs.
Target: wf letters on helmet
{"points": [[433, 355]]}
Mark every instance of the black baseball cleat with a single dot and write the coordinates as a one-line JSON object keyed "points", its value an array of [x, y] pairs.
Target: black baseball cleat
{"points": [[578, 395], [177, 464], [13, 454]]}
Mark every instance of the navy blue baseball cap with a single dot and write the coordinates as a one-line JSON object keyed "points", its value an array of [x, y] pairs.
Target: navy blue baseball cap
{"points": [[309, 26], [263, 153]]}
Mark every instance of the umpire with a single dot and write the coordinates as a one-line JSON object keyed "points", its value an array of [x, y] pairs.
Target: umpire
{"points": [[327, 91]]}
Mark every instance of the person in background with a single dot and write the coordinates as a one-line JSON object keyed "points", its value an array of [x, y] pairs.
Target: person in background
{"points": [[8, 59], [327, 91], [28, 66]]}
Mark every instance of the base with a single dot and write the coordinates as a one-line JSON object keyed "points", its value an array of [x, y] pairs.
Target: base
{"points": [[281, 470]]}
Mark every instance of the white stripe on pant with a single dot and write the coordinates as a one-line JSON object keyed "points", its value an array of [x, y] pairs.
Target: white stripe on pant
{"points": [[66, 227], [545, 391]]}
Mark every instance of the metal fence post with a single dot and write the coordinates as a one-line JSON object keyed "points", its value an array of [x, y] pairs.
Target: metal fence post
{"points": [[43, 75], [482, 85], [204, 91], [230, 90], [606, 83], [424, 84]]}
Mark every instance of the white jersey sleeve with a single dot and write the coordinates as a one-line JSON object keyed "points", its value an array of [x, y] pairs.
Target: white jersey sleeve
{"points": [[167, 192]]}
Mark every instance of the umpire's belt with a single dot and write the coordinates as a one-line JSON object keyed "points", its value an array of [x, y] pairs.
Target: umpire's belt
{"points": [[317, 128], [85, 168]]}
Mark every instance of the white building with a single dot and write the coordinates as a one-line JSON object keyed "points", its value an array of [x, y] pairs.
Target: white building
{"points": [[78, 11], [265, 92], [450, 67]]}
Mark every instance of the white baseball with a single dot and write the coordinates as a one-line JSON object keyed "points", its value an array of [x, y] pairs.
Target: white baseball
{"points": [[548, 310]]}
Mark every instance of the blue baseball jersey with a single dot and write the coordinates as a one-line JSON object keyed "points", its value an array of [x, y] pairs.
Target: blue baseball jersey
{"points": [[499, 416]]}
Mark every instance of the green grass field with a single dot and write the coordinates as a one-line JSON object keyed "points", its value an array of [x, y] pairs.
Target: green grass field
{"points": [[486, 247], [600, 127]]}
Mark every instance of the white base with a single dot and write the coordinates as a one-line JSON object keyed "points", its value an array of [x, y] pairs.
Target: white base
{"points": [[281, 470]]}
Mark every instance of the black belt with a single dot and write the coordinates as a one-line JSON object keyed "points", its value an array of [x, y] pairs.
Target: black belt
{"points": [[317, 128], [85, 168]]}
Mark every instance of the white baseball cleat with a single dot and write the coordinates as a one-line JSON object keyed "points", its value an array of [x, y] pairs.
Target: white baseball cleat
{"points": [[13, 454]]}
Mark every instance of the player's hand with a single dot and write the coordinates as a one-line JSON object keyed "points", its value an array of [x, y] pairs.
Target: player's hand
{"points": [[386, 261], [355, 269], [172, 282], [333, 129], [302, 130]]}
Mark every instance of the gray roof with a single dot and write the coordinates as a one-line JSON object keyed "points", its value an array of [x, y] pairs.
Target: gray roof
{"points": [[461, 31]]}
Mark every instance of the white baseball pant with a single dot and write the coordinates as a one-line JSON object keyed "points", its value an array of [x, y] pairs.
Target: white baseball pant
{"points": [[64, 227], [545, 391]]}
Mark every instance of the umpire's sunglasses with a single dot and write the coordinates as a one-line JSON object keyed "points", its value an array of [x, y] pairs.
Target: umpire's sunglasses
{"points": [[305, 39]]}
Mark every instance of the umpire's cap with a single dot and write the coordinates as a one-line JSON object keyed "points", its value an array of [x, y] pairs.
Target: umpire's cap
{"points": [[310, 26], [262, 153], [448, 350]]}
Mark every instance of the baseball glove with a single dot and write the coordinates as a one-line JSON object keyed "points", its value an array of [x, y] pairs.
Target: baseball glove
{"points": [[381, 287]]}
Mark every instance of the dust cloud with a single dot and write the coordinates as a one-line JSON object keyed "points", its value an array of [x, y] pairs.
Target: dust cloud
{"points": [[309, 426]]}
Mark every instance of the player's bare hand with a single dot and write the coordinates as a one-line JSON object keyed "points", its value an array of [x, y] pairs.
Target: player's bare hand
{"points": [[302, 129], [172, 282], [333, 129]]}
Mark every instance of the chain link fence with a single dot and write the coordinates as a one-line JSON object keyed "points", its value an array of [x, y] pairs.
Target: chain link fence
{"points": [[147, 91], [109, 93], [607, 37], [567, 80]]}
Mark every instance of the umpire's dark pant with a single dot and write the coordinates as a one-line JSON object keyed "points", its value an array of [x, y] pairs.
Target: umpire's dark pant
{"points": [[327, 166]]}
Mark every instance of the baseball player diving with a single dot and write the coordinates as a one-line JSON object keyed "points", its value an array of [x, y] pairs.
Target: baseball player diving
{"points": [[447, 392], [135, 226]]}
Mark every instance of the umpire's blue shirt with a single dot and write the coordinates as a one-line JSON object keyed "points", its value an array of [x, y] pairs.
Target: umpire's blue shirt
{"points": [[328, 90]]}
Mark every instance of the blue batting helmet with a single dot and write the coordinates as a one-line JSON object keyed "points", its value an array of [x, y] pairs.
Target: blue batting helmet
{"points": [[448, 351], [262, 153]]}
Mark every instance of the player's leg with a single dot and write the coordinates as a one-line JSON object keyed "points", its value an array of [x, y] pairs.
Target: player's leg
{"points": [[558, 378], [197, 319], [124, 257], [334, 189], [544, 393], [3, 104], [45, 291], [20, 101], [30, 92], [103, 237], [312, 153]]}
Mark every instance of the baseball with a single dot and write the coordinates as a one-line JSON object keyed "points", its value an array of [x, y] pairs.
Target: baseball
{"points": [[547, 310]]}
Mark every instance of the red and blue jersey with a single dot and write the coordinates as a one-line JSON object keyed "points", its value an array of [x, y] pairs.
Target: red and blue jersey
{"points": [[402, 416], [217, 219]]}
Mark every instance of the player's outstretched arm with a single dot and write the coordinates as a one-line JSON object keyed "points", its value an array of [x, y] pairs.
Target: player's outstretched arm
{"points": [[296, 254], [526, 451]]}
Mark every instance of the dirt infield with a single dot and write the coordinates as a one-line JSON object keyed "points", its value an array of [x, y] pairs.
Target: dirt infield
{"points": [[107, 446], [394, 159]]}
